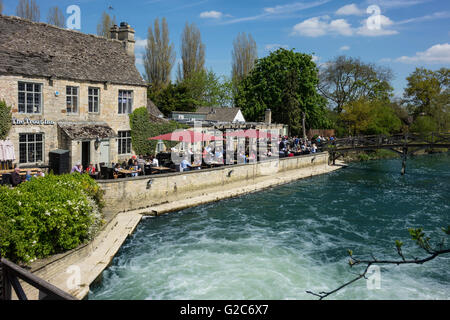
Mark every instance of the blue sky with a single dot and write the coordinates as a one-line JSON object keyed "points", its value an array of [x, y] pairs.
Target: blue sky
{"points": [[405, 34]]}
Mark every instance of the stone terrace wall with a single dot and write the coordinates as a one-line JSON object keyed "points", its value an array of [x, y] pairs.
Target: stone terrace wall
{"points": [[146, 191]]}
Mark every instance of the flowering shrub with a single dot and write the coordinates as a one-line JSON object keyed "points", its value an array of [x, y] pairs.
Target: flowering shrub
{"points": [[48, 215]]}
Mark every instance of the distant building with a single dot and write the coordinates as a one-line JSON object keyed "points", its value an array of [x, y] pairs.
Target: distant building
{"points": [[210, 115], [69, 90]]}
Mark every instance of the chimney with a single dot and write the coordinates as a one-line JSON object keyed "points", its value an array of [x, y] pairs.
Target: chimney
{"points": [[126, 34], [114, 32], [268, 116]]}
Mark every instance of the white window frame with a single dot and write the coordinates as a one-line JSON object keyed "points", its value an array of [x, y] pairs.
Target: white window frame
{"points": [[125, 107], [122, 142], [27, 144], [72, 96], [26, 93], [93, 96]]}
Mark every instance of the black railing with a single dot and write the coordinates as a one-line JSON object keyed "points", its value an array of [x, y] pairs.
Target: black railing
{"points": [[10, 274]]}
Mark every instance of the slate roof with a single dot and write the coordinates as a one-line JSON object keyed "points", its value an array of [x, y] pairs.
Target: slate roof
{"points": [[87, 130], [220, 114], [41, 50]]}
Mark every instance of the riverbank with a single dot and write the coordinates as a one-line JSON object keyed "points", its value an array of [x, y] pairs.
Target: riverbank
{"points": [[76, 270]]}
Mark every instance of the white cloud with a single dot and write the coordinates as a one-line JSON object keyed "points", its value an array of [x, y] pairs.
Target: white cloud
{"points": [[297, 6], [429, 17], [279, 11], [319, 26], [315, 58], [275, 46], [140, 43], [388, 4], [372, 29], [344, 48], [439, 53], [350, 10], [211, 14]]}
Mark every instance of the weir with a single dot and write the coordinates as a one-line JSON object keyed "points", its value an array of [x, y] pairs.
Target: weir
{"points": [[128, 200]]}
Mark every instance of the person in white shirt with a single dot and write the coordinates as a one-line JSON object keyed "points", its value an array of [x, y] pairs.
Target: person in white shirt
{"points": [[155, 162]]}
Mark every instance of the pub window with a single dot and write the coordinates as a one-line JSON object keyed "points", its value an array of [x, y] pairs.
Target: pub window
{"points": [[30, 97], [72, 99], [124, 142], [93, 99], [125, 101], [31, 147]]}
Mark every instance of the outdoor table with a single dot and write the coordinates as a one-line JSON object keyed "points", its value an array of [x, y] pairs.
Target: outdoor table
{"points": [[127, 172]]}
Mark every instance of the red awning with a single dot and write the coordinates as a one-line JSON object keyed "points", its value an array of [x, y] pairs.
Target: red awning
{"points": [[188, 136]]}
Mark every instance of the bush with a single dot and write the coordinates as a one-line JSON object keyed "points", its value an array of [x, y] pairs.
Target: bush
{"points": [[48, 215]]}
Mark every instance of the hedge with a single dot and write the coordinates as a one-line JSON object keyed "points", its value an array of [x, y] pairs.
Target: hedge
{"points": [[48, 215]]}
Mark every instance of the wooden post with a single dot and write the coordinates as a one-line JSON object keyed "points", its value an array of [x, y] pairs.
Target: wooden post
{"points": [[405, 153], [5, 285]]}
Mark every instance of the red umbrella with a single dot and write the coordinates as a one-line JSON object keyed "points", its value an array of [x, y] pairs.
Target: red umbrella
{"points": [[188, 136], [250, 133]]}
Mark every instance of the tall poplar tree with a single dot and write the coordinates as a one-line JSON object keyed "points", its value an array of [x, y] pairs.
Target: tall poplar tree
{"points": [[105, 24], [159, 56], [28, 9], [244, 56], [192, 53], [56, 17]]}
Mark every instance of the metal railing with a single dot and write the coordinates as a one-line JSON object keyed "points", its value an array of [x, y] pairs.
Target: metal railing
{"points": [[10, 274]]}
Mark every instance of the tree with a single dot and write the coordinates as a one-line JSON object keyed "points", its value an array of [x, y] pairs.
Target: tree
{"points": [[266, 87], [428, 95], [159, 56], [5, 120], [369, 117], [105, 24], [56, 17], [244, 56], [347, 79], [417, 235], [28, 9], [192, 52], [1, 6]]}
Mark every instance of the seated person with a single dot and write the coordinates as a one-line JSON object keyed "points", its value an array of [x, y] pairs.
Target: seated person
{"points": [[155, 162], [185, 165], [135, 167], [77, 168], [28, 176], [116, 171], [16, 179], [39, 173], [90, 169]]}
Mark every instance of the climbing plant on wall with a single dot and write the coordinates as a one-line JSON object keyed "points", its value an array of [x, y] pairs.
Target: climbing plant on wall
{"points": [[5, 120]]}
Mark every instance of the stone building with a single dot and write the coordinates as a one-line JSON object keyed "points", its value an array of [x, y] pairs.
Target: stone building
{"points": [[69, 90]]}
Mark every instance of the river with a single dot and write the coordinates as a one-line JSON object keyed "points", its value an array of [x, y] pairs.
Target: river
{"points": [[281, 242]]}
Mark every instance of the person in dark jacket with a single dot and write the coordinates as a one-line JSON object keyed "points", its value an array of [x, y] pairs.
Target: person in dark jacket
{"points": [[16, 179]]}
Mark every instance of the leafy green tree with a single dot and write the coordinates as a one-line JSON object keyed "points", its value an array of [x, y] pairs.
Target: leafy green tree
{"points": [[347, 79], [5, 120], [428, 94], [266, 87], [365, 116]]}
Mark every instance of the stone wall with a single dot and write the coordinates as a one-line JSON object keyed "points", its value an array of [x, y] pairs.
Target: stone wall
{"points": [[146, 191]]}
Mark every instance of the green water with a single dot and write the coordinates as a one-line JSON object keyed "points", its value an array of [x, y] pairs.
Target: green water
{"points": [[278, 243]]}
